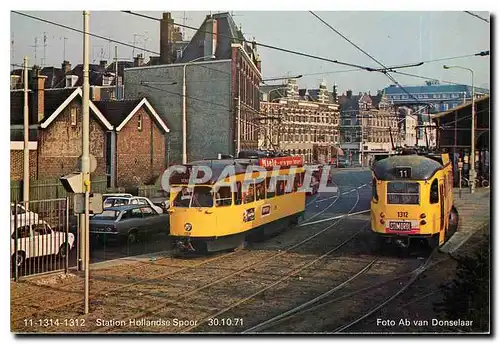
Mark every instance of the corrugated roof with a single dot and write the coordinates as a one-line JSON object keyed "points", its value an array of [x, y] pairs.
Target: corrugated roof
{"points": [[467, 104]]}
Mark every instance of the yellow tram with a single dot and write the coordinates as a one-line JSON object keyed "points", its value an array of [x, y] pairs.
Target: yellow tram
{"points": [[412, 198], [209, 217]]}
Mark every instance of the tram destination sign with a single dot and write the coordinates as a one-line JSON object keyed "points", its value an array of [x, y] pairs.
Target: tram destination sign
{"points": [[281, 161], [402, 172]]}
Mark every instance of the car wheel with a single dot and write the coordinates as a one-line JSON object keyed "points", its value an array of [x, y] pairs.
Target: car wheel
{"points": [[132, 237], [21, 258], [64, 250]]}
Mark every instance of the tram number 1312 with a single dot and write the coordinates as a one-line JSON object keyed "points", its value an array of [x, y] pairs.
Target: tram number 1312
{"points": [[402, 214]]}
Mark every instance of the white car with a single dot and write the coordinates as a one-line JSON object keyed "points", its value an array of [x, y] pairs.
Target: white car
{"points": [[118, 201], [22, 213], [37, 239]]}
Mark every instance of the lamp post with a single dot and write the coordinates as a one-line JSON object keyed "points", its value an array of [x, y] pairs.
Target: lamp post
{"points": [[472, 173], [184, 124]]}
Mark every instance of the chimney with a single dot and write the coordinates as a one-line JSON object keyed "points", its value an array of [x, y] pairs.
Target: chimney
{"points": [[166, 35], [138, 60], [349, 94], [38, 108], [210, 45], [66, 67], [334, 94], [103, 63]]}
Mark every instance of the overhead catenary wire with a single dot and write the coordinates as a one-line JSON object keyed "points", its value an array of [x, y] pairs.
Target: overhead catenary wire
{"points": [[477, 16]]}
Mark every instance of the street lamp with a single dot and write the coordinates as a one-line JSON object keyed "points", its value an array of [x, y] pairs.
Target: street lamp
{"points": [[472, 170], [184, 125]]}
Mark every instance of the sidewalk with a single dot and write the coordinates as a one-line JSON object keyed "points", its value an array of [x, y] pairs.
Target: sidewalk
{"points": [[473, 212]]}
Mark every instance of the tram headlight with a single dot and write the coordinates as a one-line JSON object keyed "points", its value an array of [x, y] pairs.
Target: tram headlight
{"points": [[423, 222], [382, 221], [382, 215], [188, 227], [422, 216]]}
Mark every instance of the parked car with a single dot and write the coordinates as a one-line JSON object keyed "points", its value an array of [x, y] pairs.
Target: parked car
{"points": [[162, 202], [22, 213], [128, 222], [37, 239], [118, 201], [342, 163], [105, 196]]}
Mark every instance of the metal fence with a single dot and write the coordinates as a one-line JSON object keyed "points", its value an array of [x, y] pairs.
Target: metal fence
{"points": [[41, 239], [51, 188]]}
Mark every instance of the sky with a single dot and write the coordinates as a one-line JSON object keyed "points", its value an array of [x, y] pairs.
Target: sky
{"points": [[393, 38]]}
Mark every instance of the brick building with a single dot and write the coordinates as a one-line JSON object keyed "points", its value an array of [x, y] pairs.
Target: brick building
{"points": [[222, 77], [136, 152], [302, 123], [367, 123], [55, 126], [127, 138]]}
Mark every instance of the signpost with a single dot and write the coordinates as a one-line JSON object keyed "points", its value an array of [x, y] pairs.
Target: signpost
{"points": [[460, 166]]}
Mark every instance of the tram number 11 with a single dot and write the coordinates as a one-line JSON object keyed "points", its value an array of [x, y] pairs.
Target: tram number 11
{"points": [[403, 172]]}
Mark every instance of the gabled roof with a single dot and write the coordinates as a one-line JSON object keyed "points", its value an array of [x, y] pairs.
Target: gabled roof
{"points": [[227, 33], [119, 112], [77, 92]]}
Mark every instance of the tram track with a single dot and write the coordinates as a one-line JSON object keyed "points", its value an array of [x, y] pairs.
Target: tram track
{"points": [[183, 296], [318, 304], [183, 269]]}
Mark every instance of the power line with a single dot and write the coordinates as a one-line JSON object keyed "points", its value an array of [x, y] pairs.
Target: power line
{"points": [[477, 16], [81, 31], [257, 43], [105, 38], [384, 71]]}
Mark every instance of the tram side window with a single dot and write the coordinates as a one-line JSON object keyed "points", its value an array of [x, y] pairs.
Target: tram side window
{"points": [[374, 190], [434, 192], [223, 197], [269, 187], [297, 182], [238, 194], [289, 184], [249, 195], [260, 191], [280, 187]]}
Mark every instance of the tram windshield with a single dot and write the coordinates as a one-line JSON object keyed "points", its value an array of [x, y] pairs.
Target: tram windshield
{"points": [[403, 193], [200, 197]]}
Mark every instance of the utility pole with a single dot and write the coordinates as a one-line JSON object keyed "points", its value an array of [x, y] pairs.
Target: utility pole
{"points": [[116, 72], [86, 152], [44, 48], [12, 58], [26, 152], [35, 46]]}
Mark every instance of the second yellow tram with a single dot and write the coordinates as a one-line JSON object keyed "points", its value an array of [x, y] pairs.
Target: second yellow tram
{"points": [[412, 198]]}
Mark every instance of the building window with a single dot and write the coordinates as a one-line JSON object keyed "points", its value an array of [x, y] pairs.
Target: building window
{"points": [[139, 123], [73, 115]]}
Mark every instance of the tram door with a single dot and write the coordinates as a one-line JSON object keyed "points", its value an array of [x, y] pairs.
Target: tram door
{"points": [[441, 203]]}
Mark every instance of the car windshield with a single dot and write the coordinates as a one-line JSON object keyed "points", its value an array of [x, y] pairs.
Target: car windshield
{"points": [[202, 197], [107, 215], [115, 202]]}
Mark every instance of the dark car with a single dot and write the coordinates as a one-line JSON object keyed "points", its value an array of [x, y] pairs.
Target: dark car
{"points": [[128, 223], [341, 163]]}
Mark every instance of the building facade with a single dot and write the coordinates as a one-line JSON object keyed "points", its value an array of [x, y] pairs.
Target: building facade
{"points": [[222, 78], [301, 126], [368, 127]]}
